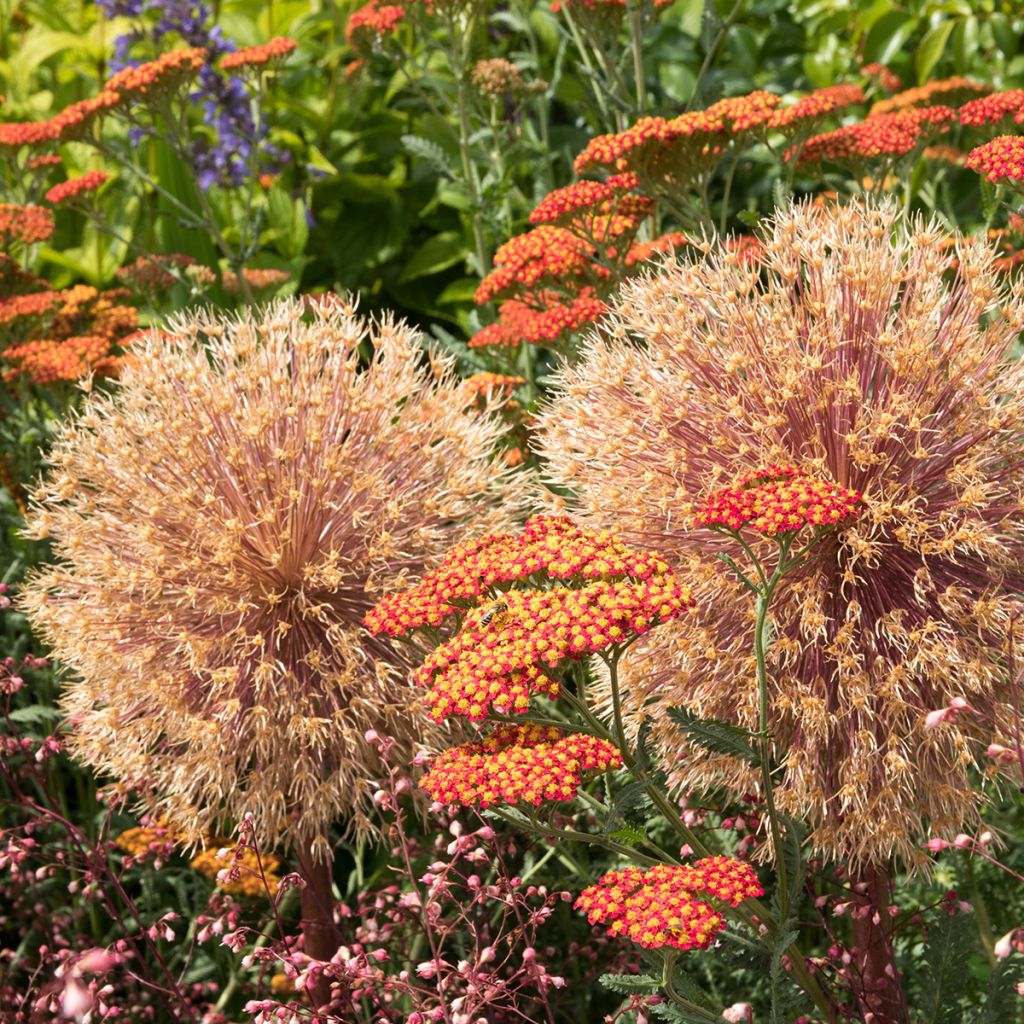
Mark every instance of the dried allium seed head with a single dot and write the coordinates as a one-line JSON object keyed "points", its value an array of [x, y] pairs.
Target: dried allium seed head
{"points": [[847, 351], [223, 522]]}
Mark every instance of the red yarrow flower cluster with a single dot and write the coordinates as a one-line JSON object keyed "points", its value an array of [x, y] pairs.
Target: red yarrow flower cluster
{"points": [[1001, 160], [658, 907], [521, 323], [25, 224], [999, 106], [511, 650], [75, 187], [893, 134], [529, 764], [779, 499], [257, 56], [549, 548]]}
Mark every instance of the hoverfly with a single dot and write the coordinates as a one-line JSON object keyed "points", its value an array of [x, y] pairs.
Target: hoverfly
{"points": [[495, 609]]}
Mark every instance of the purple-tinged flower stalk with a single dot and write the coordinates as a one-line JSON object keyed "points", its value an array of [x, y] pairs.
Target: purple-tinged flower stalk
{"points": [[222, 521], [847, 351]]}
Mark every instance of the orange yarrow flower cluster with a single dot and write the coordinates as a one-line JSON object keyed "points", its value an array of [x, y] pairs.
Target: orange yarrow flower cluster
{"points": [[947, 91], [816, 105], [25, 224], [894, 134], [526, 260], [658, 907], [518, 764], [75, 187], [651, 137], [521, 323], [779, 499], [71, 123], [1001, 160], [565, 203], [372, 22], [168, 72], [257, 56]]}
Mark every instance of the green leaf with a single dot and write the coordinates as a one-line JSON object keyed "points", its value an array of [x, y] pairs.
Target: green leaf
{"points": [[34, 714], [628, 835], [629, 984], [626, 799], [965, 44], [929, 53], [887, 36], [1002, 32], [950, 943], [715, 735], [691, 16], [437, 253]]}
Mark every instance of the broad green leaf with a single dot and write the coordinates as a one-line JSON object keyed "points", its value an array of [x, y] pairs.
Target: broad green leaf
{"points": [[691, 16], [965, 44], [1004, 35], [887, 36], [437, 253], [929, 53]]}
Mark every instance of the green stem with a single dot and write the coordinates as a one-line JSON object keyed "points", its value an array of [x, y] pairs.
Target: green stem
{"points": [[636, 29]]}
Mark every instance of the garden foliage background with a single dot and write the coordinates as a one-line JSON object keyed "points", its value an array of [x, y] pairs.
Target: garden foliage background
{"points": [[389, 155]]}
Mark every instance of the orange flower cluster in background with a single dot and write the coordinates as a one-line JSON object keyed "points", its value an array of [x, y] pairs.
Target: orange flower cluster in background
{"points": [[48, 336], [239, 872], [75, 187], [658, 907], [150, 274], [816, 105], [529, 764], [24, 224], [778, 499], [258, 56], [942, 91], [887, 79], [372, 22], [257, 279], [167, 73]]}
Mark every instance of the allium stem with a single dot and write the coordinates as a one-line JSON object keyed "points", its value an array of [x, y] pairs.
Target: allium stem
{"points": [[321, 936], [883, 987]]}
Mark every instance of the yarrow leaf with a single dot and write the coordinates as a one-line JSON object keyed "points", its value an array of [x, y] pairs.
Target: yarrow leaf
{"points": [[715, 735], [950, 943], [1002, 1000], [629, 984], [428, 151]]}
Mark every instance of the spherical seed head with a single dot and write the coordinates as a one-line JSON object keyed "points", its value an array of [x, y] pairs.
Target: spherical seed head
{"points": [[223, 520], [848, 352]]}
